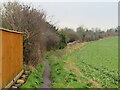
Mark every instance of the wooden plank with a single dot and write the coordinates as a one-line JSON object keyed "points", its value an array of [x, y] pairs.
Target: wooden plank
{"points": [[14, 80], [7, 30], [0, 59]]}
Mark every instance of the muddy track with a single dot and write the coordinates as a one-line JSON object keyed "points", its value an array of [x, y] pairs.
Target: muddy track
{"points": [[47, 83]]}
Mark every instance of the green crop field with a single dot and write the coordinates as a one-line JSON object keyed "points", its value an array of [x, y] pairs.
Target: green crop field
{"points": [[86, 65]]}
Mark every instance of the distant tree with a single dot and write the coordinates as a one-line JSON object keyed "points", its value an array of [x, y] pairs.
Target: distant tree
{"points": [[82, 32], [71, 35], [112, 32], [63, 39]]}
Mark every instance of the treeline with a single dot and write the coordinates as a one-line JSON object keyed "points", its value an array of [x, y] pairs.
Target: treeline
{"points": [[41, 36], [83, 34]]}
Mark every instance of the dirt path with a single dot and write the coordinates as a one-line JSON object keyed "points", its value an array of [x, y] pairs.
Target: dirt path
{"points": [[46, 76]]}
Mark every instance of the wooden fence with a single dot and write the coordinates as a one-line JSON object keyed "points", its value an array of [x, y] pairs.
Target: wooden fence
{"points": [[11, 56]]}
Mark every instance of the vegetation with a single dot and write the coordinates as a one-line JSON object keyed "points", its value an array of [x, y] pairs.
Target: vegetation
{"points": [[73, 66], [35, 79], [41, 36], [63, 41], [83, 34], [76, 66]]}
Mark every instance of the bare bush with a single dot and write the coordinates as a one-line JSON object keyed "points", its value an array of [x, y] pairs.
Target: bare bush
{"points": [[37, 31]]}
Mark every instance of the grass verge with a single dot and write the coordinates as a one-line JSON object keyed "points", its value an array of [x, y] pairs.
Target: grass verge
{"points": [[35, 79], [62, 77]]}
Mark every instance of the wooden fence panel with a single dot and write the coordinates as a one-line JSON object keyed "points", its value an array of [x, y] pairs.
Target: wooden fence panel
{"points": [[12, 56], [0, 59]]}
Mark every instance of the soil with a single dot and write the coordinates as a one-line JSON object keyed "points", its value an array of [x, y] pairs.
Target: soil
{"points": [[46, 76]]}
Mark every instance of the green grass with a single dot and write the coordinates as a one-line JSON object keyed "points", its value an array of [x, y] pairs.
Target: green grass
{"points": [[62, 78], [35, 79], [97, 60]]}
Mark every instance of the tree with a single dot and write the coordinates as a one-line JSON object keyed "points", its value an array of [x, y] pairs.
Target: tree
{"points": [[63, 39], [37, 31], [71, 34], [82, 32]]}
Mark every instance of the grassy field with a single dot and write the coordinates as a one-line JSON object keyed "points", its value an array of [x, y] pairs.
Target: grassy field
{"points": [[86, 65]]}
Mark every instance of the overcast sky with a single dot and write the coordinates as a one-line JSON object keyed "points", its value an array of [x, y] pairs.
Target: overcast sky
{"points": [[95, 13]]}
